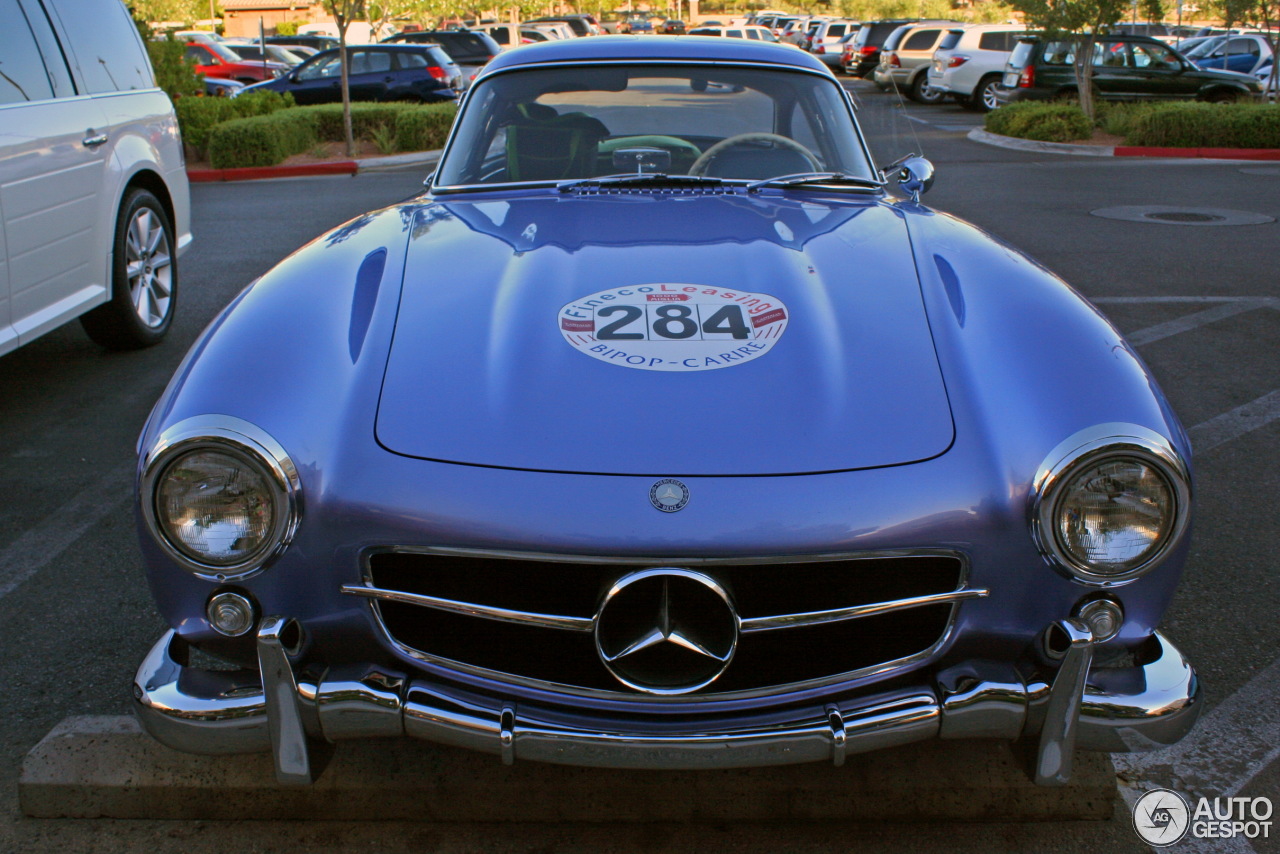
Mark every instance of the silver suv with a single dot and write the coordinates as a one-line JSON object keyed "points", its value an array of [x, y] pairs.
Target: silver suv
{"points": [[906, 56], [969, 62], [94, 204]]}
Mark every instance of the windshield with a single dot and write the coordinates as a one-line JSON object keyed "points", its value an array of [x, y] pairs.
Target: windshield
{"points": [[576, 122], [1205, 48]]}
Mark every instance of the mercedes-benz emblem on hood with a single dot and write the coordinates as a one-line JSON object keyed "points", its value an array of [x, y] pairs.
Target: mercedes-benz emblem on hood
{"points": [[669, 495], [666, 630]]}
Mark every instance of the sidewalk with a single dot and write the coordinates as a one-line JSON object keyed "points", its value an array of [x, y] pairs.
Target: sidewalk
{"points": [[331, 167], [980, 135]]}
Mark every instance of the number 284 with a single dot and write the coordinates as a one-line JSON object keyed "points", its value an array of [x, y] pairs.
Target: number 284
{"points": [[672, 322]]}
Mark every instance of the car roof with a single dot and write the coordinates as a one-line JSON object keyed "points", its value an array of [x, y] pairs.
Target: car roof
{"points": [[659, 48]]}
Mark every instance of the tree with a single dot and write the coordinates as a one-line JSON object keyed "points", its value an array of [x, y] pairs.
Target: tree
{"points": [[344, 12], [1151, 10], [1080, 21]]}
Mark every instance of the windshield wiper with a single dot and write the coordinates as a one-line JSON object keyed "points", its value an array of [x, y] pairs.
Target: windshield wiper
{"points": [[643, 178], [801, 179]]}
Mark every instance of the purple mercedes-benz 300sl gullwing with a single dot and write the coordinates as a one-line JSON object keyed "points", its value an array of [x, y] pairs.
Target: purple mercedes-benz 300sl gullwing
{"points": [[664, 430]]}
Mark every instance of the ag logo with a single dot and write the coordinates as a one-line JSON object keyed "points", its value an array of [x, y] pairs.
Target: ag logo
{"points": [[1161, 817]]}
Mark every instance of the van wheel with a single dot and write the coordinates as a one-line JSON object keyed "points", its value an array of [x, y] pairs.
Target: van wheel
{"points": [[144, 278], [985, 97]]}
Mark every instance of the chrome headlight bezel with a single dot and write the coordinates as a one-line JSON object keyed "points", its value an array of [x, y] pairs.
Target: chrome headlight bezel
{"points": [[251, 445], [1089, 448]]}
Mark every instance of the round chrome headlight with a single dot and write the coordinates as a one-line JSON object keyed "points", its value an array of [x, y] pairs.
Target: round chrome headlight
{"points": [[220, 496], [1108, 508]]}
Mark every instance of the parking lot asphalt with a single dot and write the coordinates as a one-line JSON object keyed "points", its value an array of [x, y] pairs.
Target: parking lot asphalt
{"points": [[1201, 304]]}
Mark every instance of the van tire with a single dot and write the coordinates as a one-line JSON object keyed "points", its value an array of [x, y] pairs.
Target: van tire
{"points": [[144, 278]]}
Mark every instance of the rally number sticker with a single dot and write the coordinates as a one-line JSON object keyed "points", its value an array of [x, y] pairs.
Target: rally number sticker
{"points": [[674, 327]]}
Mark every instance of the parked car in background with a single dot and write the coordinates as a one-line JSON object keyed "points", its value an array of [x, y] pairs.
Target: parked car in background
{"points": [[672, 27], [970, 61], [743, 31], [1125, 68], [1158, 31], [581, 25], [216, 59], [862, 55], [826, 43], [774, 23], [256, 53], [311, 40], [1243, 53], [374, 500], [470, 49], [94, 203], [636, 25], [906, 57], [502, 34], [221, 87], [382, 72]]}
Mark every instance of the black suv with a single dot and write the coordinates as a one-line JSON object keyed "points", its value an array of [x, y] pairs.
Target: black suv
{"points": [[470, 49], [1125, 68], [864, 50]]}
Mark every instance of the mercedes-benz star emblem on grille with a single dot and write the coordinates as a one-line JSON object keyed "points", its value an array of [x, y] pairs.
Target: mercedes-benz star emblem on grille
{"points": [[669, 495], [666, 630]]}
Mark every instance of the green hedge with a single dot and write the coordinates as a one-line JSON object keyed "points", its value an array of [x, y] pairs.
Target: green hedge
{"points": [[267, 139], [1173, 124], [197, 117], [1183, 125], [1042, 121]]}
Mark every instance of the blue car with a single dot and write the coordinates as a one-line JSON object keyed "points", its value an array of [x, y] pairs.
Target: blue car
{"points": [[1243, 53], [422, 73], [665, 430]]}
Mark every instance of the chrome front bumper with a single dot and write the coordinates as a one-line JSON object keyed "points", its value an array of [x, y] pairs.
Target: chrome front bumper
{"points": [[1153, 703]]}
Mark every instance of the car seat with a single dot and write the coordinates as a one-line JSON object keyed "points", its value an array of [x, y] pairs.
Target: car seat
{"points": [[545, 146]]}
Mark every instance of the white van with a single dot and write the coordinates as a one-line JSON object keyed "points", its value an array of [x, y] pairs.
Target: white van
{"points": [[94, 203]]}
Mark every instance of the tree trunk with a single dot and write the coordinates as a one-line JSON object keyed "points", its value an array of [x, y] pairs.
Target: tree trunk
{"points": [[346, 93], [1084, 74]]}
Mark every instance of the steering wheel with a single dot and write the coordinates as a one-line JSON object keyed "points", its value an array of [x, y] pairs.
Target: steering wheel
{"points": [[700, 165]]}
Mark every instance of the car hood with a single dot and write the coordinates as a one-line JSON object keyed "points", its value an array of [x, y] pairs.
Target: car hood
{"points": [[590, 334]]}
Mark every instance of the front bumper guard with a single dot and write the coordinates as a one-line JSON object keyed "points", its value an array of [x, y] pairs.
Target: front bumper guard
{"points": [[1141, 707]]}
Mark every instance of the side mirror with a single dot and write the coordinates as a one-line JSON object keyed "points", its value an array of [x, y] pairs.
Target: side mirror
{"points": [[915, 176]]}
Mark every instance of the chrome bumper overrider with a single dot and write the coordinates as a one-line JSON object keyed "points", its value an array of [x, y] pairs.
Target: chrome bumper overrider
{"points": [[1140, 707]]}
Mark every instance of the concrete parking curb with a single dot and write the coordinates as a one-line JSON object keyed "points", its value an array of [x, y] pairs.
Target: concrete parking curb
{"points": [[980, 135], [332, 167], [106, 767]]}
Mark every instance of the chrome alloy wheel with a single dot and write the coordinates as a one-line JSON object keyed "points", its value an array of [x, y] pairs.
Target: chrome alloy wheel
{"points": [[148, 267]]}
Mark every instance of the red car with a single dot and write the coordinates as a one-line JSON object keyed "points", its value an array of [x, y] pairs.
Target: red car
{"points": [[214, 60]]}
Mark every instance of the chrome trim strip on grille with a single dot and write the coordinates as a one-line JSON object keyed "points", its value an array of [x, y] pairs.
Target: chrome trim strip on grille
{"points": [[587, 624], [488, 612], [462, 668], [839, 615]]}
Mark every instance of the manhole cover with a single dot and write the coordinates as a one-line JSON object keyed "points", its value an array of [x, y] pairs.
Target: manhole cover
{"points": [[1171, 215], [1185, 216]]}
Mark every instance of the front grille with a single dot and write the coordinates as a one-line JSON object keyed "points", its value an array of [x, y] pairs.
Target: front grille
{"points": [[574, 588]]}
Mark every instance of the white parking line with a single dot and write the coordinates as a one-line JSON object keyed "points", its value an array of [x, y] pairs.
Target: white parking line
{"points": [[45, 542], [1231, 425], [1193, 321], [1227, 748]]}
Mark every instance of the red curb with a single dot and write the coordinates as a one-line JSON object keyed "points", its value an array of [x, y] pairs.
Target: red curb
{"points": [[1210, 153], [249, 173]]}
